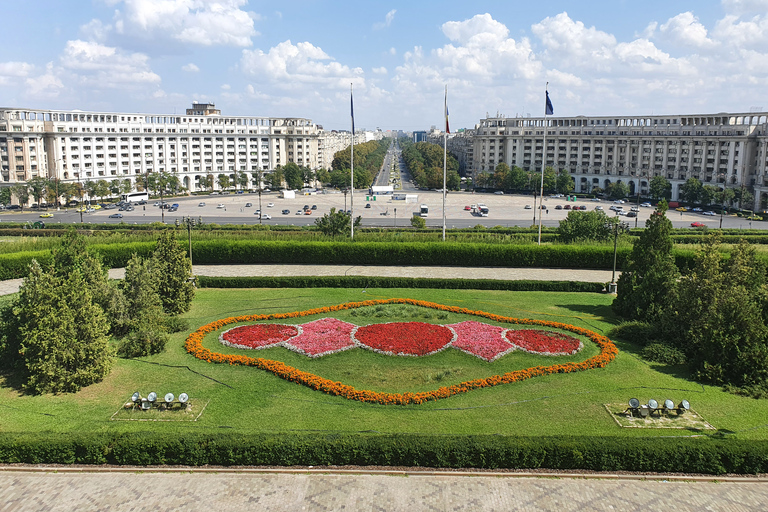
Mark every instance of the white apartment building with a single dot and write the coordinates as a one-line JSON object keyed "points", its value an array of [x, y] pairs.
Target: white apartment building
{"points": [[726, 149], [79, 146]]}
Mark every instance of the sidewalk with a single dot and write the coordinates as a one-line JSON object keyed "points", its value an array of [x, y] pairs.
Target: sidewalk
{"points": [[506, 274]]}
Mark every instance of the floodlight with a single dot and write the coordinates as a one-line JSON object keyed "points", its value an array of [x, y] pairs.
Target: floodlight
{"points": [[152, 397], [145, 405], [136, 397], [684, 405], [169, 398], [634, 403], [183, 398], [669, 404], [653, 404]]}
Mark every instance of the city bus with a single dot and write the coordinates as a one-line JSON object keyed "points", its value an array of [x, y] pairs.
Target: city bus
{"points": [[135, 197], [424, 211]]}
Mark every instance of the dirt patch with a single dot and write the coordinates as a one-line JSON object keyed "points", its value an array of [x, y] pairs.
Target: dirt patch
{"points": [[690, 420]]}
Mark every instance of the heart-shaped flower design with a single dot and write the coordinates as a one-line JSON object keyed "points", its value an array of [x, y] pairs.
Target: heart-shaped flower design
{"points": [[462, 339]]}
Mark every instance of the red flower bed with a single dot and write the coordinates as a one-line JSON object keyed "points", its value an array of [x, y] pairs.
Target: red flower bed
{"points": [[544, 342], [258, 336], [404, 338], [481, 340], [321, 337]]}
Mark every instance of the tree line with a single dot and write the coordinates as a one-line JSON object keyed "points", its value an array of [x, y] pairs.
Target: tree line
{"points": [[424, 162]]}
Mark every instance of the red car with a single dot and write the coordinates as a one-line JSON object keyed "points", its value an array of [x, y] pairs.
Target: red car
{"points": [[467, 208], [697, 224]]}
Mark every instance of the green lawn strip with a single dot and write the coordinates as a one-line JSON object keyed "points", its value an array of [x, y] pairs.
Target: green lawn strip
{"points": [[249, 401]]}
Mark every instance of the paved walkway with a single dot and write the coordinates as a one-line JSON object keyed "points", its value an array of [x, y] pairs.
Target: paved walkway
{"points": [[508, 274], [129, 490]]}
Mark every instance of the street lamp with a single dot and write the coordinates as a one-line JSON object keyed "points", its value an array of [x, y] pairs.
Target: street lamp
{"points": [[190, 223], [615, 228]]}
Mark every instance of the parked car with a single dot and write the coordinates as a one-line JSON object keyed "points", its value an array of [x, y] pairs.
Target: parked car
{"points": [[598, 207], [527, 207], [567, 207], [697, 210], [299, 212], [314, 207], [173, 209], [116, 216], [632, 214], [308, 212], [367, 205], [248, 205], [559, 207], [499, 193], [681, 209], [709, 213], [634, 209], [619, 201], [646, 205], [595, 199], [467, 208]]}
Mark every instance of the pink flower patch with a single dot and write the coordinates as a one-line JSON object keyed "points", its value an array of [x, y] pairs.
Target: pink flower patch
{"points": [[258, 335], [481, 340], [544, 342], [321, 337]]}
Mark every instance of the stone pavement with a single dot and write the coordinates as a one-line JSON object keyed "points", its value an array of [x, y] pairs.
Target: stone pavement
{"points": [[509, 274], [130, 489]]}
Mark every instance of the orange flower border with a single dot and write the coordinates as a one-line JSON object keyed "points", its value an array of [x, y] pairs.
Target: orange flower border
{"points": [[194, 345]]}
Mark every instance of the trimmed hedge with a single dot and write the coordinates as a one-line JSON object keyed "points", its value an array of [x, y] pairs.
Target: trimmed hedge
{"points": [[681, 455], [395, 282]]}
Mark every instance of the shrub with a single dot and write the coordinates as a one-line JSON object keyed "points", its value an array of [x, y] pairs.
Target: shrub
{"points": [[638, 333], [176, 324], [662, 353], [143, 341]]}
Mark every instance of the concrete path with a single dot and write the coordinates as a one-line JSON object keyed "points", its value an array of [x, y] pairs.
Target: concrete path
{"points": [[508, 274], [128, 489]]}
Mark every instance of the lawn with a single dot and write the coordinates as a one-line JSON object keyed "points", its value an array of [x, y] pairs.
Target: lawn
{"points": [[248, 400]]}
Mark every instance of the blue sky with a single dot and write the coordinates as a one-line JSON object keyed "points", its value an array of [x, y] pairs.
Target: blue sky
{"points": [[298, 59]]}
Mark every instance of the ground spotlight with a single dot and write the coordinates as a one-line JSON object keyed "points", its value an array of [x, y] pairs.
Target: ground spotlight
{"points": [[169, 398], [183, 398], [152, 397], [136, 397]]}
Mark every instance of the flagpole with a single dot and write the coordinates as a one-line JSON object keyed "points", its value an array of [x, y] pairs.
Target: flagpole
{"points": [[445, 155], [543, 159], [352, 168]]}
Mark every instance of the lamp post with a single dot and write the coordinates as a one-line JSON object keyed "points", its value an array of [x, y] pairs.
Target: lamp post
{"points": [[395, 217], [615, 228], [190, 223]]}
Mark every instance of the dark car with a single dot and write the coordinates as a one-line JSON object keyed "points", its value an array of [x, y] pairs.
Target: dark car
{"points": [[286, 212], [367, 205], [116, 216]]}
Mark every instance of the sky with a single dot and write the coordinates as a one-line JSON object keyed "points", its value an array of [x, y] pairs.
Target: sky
{"points": [[301, 58]]}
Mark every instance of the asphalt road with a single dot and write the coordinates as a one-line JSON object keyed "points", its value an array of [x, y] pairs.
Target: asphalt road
{"points": [[505, 210]]}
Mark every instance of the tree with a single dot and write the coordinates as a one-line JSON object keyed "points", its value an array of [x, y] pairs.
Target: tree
{"points": [[174, 274], [5, 196], [21, 191], [275, 178], [323, 176], [90, 188], [101, 189], [141, 183], [660, 188], [500, 175], [517, 179], [709, 194], [242, 180], [418, 222], [643, 287], [63, 333], [125, 186], [565, 183], [147, 323], [307, 175], [725, 197], [114, 187], [453, 181], [691, 191], [584, 226], [38, 186], [617, 190], [336, 223], [293, 176], [223, 181]]}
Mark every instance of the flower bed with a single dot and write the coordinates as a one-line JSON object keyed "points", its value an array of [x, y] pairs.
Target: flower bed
{"points": [[322, 337], [194, 345], [404, 338], [258, 336], [544, 342], [481, 340]]}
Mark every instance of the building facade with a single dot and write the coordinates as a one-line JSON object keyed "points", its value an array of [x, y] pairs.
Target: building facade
{"points": [[725, 150], [76, 146]]}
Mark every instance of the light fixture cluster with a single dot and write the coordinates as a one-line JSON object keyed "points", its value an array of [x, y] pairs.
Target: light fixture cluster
{"points": [[151, 400], [646, 410]]}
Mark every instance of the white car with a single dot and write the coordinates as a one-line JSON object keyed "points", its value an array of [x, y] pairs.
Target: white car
{"points": [[709, 213], [598, 207], [270, 205], [221, 205], [646, 205], [265, 216]]}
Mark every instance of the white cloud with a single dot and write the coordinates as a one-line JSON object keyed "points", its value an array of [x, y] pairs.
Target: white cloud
{"points": [[47, 85], [225, 87], [387, 20], [685, 29], [563, 36], [190, 68], [752, 33], [104, 66], [745, 6], [481, 30], [392, 51], [15, 69], [380, 71], [197, 22], [95, 30]]}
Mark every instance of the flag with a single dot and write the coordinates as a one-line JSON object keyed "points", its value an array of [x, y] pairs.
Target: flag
{"points": [[548, 111], [352, 111], [447, 129]]}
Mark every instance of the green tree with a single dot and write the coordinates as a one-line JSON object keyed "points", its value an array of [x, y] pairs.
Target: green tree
{"points": [[38, 186], [147, 324], [242, 180], [275, 178], [565, 183], [581, 226], [307, 175], [125, 186], [725, 197], [500, 175], [336, 223], [102, 189], [418, 222], [223, 181], [63, 332], [517, 179], [691, 191], [174, 270], [323, 176], [617, 190], [709, 194], [660, 188], [644, 286], [5, 196], [293, 176], [114, 187], [453, 181], [21, 191]]}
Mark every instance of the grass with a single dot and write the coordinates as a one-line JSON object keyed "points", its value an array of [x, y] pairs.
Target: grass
{"points": [[247, 400]]}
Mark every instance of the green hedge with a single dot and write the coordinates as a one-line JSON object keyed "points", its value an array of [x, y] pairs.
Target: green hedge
{"points": [[668, 455], [395, 282]]}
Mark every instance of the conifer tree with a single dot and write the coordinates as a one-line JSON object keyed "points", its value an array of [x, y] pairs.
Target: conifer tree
{"points": [[174, 273]]}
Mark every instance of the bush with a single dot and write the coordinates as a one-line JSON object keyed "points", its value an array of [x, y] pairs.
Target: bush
{"points": [[661, 353], [142, 341], [176, 324], [638, 333]]}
